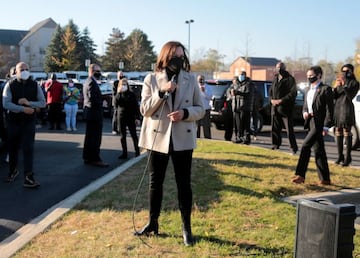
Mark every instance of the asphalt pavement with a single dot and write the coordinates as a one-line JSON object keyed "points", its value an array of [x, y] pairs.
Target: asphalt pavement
{"points": [[59, 168]]}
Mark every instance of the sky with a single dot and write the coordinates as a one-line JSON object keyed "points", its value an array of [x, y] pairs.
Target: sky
{"points": [[323, 29]]}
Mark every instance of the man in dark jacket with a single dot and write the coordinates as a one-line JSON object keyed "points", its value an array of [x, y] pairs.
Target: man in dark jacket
{"points": [[282, 95], [93, 114], [21, 97], [318, 111], [242, 94]]}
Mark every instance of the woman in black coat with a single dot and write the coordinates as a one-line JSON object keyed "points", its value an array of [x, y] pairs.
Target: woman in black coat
{"points": [[128, 115], [346, 88]]}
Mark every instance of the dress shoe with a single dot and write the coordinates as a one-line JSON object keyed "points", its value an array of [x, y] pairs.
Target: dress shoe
{"points": [[123, 156], [275, 147], [325, 182], [150, 227], [188, 237], [340, 159], [298, 180], [96, 163]]}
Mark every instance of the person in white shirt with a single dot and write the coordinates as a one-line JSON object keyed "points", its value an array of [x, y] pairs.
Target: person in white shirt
{"points": [[318, 113], [206, 96]]}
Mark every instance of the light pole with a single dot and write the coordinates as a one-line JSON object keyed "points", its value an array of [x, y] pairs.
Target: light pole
{"points": [[189, 22]]}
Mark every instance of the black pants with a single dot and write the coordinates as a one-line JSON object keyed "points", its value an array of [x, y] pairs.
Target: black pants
{"points": [[242, 125], [157, 167], [277, 123], [21, 134], [55, 114], [131, 125], [92, 142], [314, 139]]}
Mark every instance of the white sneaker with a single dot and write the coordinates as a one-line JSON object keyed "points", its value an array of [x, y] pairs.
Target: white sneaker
{"points": [[68, 129], [74, 129]]}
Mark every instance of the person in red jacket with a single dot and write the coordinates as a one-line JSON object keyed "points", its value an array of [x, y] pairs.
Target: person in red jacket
{"points": [[54, 93]]}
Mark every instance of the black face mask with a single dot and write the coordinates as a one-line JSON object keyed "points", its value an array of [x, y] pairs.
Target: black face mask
{"points": [[347, 74], [175, 64], [97, 75], [312, 79]]}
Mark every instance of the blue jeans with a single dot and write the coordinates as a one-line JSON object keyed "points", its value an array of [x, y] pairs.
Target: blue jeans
{"points": [[70, 119]]}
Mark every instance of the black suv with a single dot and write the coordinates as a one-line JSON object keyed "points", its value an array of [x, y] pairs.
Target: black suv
{"points": [[221, 114]]}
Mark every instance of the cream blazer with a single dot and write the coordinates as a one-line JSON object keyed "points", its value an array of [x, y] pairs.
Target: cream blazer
{"points": [[157, 128]]}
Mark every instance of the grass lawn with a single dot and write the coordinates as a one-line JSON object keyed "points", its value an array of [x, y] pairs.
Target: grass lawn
{"points": [[237, 209]]}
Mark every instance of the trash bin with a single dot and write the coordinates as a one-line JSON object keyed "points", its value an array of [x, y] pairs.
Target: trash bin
{"points": [[324, 229]]}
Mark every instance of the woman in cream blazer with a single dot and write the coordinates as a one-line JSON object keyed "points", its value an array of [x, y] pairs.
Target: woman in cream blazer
{"points": [[171, 104]]}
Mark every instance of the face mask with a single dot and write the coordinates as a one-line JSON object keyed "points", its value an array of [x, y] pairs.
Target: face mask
{"points": [[175, 64], [124, 88], [347, 74], [71, 85], [24, 75], [312, 79], [97, 75], [242, 77]]}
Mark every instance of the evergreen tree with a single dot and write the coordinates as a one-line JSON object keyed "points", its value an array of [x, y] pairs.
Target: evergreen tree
{"points": [[114, 51], [139, 53], [54, 52], [86, 49]]}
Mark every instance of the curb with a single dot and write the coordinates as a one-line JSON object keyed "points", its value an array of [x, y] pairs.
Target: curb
{"points": [[25, 234]]}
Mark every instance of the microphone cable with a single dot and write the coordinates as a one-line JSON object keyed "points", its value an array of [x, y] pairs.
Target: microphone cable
{"points": [[137, 233]]}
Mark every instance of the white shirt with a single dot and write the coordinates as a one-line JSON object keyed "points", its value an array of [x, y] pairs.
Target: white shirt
{"points": [[310, 97], [206, 97]]}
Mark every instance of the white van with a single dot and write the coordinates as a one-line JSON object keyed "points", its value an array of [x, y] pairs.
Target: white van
{"points": [[39, 76], [77, 76]]}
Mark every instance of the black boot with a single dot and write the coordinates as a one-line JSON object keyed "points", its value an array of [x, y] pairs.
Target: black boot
{"points": [[186, 228], [348, 159], [155, 198], [136, 147], [340, 147], [152, 226], [124, 148]]}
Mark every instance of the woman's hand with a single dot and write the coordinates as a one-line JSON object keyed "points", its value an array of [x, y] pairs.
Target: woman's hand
{"points": [[176, 115]]}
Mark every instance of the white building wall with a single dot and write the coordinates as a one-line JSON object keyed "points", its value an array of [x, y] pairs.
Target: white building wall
{"points": [[33, 49]]}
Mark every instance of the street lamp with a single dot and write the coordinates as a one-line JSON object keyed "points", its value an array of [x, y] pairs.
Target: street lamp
{"points": [[189, 22]]}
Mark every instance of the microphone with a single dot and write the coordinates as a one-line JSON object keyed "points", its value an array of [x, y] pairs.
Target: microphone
{"points": [[174, 78]]}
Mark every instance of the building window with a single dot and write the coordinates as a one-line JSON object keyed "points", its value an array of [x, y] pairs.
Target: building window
{"points": [[27, 49], [42, 51]]}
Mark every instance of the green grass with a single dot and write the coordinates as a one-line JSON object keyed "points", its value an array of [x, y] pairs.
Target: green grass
{"points": [[238, 209]]}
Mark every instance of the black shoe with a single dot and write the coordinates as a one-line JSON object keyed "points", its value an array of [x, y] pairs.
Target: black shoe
{"points": [[275, 147], [30, 182], [150, 227], [188, 237], [347, 162], [123, 156], [11, 176], [340, 159]]}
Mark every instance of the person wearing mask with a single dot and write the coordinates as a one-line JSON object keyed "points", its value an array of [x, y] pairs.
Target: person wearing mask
{"points": [[21, 97], [71, 98], [282, 95], [257, 106], [345, 89], [171, 104], [318, 111], [120, 75], [205, 121], [54, 91], [93, 114], [242, 103], [128, 115]]}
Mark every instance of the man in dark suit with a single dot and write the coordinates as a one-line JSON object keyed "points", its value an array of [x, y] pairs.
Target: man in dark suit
{"points": [[93, 114], [282, 98], [318, 112]]}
